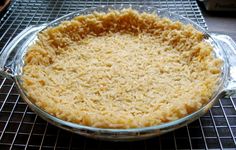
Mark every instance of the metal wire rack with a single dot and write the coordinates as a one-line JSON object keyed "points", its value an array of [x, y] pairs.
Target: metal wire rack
{"points": [[20, 128]]}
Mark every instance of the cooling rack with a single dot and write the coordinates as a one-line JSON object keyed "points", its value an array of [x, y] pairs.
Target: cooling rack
{"points": [[20, 128]]}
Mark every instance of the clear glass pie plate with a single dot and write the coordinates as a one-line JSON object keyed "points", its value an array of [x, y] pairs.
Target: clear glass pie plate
{"points": [[12, 61]]}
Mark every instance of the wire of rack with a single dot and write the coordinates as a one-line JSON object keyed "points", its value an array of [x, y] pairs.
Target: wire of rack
{"points": [[20, 128]]}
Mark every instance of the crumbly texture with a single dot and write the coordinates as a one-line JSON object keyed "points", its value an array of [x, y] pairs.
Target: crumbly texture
{"points": [[120, 69]]}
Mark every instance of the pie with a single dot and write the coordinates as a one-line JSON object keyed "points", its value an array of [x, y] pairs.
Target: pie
{"points": [[120, 69]]}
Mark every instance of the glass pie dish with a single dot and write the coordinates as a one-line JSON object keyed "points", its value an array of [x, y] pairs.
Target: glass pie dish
{"points": [[12, 62]]}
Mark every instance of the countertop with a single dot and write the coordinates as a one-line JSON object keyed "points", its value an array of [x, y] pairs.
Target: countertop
{"points": [[220, 22]]}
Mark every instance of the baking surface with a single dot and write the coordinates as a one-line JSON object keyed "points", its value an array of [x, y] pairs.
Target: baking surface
{"points": [[20, 128], [220, 22]]}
